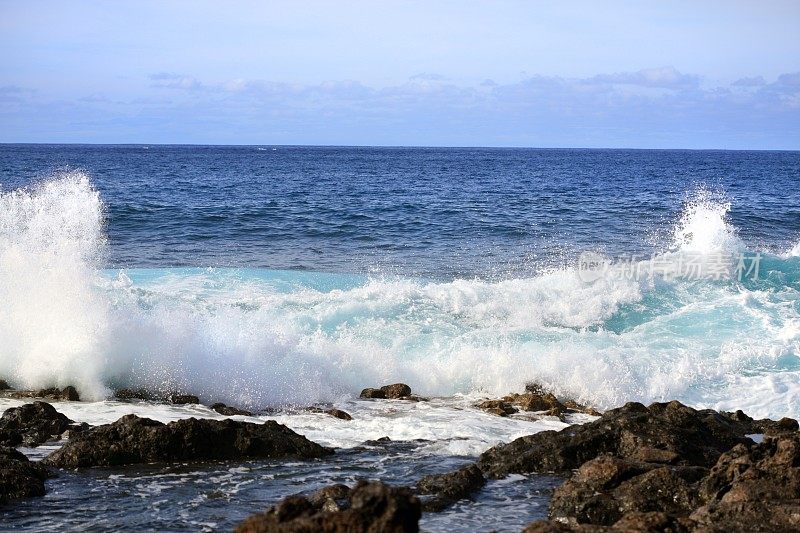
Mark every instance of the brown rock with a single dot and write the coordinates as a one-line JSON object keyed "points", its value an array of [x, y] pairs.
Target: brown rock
{"points": [[373, 393], [370, 507], [338, 413], [497, 407], [184, 399], [133, 440], [449, 488], [226, 410], [19, 477], [133, 394], [396, 391], [32, 424]]}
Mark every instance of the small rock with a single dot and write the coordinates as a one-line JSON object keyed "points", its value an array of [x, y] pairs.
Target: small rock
{"points": [[68, 393], [226, 410], [497, 407], [133, 394], [339, 414], [370, 507], [396, 391], [19, 477], [373, 393], [32, 424], [449, 488], [184, 399]]}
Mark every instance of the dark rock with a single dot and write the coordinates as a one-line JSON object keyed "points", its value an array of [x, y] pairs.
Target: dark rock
{"points": [[19, 477], [184, 399], [32, 424], [226, 410], [604, 489], [67, 393], [4, 385], [396, 391], [132, 440], [133, 394], [497, 407], [754, 487], [451, 487], [373, 393], [370, 507], [671, 433], [338, 413]]}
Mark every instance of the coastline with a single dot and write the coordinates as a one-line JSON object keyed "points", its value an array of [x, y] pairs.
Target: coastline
{"points": [[596, 464]]}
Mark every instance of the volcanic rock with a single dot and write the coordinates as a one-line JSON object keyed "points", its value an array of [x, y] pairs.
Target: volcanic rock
{"points": [[19, 477], [396, 391], [226, 410], [132, 440], [133, 394], [32, 424], [184, 399], [451, 487], [370, 507], [668, 433]]}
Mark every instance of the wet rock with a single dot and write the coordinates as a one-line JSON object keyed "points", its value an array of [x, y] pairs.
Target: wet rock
{"points": [[497, 407], [66, 394], [19, 477], [133, 440], [184, 399], [4, 385], [32, 424], [338, 413], [451, 487], [671, 433], [604, 489], [754, 487], [751, 487], [226, 410], [133, 394], [369, 507], [395, 391]]}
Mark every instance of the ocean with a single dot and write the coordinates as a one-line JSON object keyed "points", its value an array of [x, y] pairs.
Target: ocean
{"points": [[279, 277]]}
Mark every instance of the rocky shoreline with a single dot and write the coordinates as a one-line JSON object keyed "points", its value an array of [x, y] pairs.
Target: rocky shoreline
{"points": [[663, 467]]}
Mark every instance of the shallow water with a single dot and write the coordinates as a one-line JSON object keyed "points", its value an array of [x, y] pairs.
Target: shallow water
{"points": [[216, 496]]}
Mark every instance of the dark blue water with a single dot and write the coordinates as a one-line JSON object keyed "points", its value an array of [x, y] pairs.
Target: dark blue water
{"points": [[434, 212]]}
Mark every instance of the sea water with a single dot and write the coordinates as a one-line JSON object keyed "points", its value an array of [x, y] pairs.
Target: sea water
{"points": [[287, 276]]}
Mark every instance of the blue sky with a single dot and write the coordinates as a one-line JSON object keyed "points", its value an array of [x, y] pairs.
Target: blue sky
{"points": [[550, 74]]}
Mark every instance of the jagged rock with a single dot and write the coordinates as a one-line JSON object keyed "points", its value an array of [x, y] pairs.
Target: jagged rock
{"points": [[66, 394], [754, 487], [132, 440], [604, 489], [32, 424], [396, 391], [751, 487], [133, 394], [451, 487], [497, 407], [226, 410], [19, 477], [184, 399], [370, 507], [669, 433], [338, 413]]}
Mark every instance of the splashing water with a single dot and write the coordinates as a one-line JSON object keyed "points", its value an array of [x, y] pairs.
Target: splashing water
{"points": [[255, 337]]}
